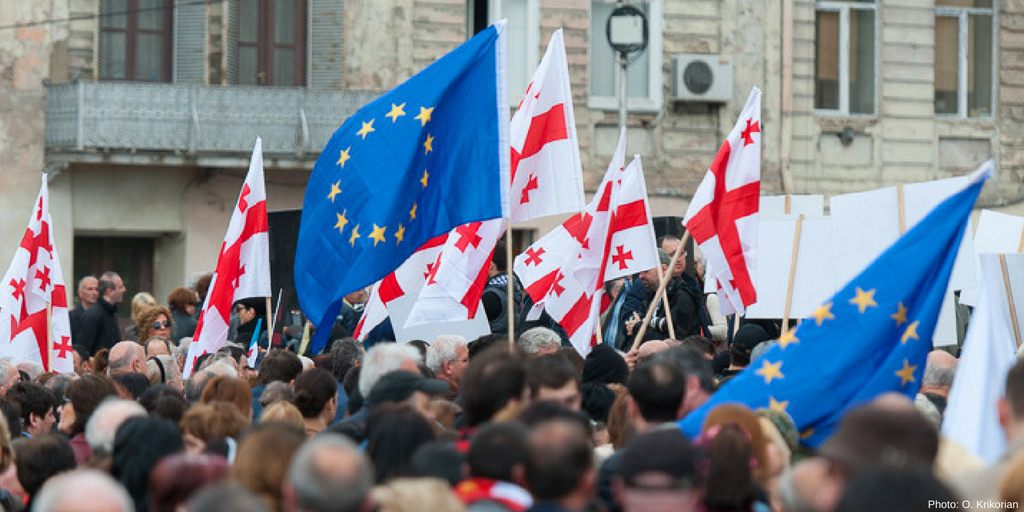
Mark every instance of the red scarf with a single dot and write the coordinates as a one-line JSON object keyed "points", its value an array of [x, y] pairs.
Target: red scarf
{"points": [[512, 496]]}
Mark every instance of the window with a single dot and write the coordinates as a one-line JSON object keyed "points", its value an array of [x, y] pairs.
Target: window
{"points": [[271, 42], [644, 80], [523, 31], [844, 72], [963, 58], [135, 40]]}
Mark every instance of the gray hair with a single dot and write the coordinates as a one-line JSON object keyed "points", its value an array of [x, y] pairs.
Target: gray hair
{"points": [[164, 372], [196, 383], [761, 348], [345, 353], [275, 392], [226, 497], [63, 491], [537, 338], [938, 376], [31, 368], [384, 358], [443, 350], [58, 383], [329, 473], [6, 367], [104, 422]]}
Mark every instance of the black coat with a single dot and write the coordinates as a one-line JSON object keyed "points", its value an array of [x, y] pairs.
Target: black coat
{"points": [[98, 327]]}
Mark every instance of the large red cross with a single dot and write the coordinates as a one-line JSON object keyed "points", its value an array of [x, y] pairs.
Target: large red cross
{"points": [[621, 258], [544, 128], [63, 347], [44, 278]]}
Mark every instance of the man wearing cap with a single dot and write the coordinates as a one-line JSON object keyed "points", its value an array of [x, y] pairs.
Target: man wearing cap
{"points": [[407, 387], [659, 472], [683, 303]]}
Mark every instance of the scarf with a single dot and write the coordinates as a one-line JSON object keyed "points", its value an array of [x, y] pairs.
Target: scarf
{"points": [[509, 495]]}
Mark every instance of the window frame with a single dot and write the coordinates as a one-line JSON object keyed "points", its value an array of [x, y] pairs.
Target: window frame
{"points": [[266, 43], [131, 33], [843, 8], [655, 99], [962, 15]]}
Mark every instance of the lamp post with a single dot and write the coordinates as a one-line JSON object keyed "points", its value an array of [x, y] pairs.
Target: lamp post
{"points": [[627, 34]]}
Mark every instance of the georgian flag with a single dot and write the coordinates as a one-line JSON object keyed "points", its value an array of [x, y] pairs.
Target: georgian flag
{"points": [[243, 267], [723, 214], [633, 246], [34, 283]]}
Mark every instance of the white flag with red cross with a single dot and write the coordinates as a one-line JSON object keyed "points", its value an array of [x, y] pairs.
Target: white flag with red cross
{"points": [[722, 218], [633, 245], [33, 284], [243, 267]]}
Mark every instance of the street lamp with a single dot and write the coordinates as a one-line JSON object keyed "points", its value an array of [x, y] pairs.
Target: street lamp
{"points": [[627, 34]]}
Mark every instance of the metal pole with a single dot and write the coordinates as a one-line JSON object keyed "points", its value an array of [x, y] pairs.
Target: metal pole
{"points": [[622, 91]]}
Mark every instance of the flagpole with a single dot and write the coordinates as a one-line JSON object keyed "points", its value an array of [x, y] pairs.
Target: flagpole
{"points": [[49, 336], [664, 303], [1020, 245], [902, 207], [270, 323], [792, 272], [657, 295], [1009, 299], [509, 289]]}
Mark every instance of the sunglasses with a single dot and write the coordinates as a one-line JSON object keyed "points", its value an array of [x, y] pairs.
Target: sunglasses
{"points": [[161, 325]]}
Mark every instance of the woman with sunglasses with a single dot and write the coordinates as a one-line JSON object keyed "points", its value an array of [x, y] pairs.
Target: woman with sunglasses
{"points": [[154, 321]]}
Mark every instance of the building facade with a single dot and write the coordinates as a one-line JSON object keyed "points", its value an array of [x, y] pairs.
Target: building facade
{"points": [[143, 112]]}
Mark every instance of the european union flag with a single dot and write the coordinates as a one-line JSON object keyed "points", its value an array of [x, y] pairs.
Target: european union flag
{"points": [[427, 156], [871, 337]]}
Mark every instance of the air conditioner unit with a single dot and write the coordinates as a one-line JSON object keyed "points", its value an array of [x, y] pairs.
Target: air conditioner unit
{"points": [[699, 77]]}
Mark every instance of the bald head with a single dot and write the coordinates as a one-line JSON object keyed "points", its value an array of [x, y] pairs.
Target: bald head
{"points": [[938, 373], [84, 489], [328, 473], [559, 461], [126, 357]]}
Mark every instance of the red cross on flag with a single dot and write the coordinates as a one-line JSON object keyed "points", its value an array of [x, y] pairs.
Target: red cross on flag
{"points": [[633, 247], [722, 218], [34, 283], [243, 267]]}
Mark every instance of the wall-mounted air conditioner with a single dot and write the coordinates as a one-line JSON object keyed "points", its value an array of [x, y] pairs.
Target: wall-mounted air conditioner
{"points": [[701, 78]]}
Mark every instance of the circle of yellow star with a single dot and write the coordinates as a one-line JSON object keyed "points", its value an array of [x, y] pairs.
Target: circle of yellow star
{"points": [[399, 234], [907, 373], [788, 338], [770, 371], [909, 333], [343, 157], [428, 145], [900, 316], [823, 313], [864, 299], [424, 179], [396, 112], [341, 222], [366, 129], [776, 405], [424, 115], [355, 235], [412, 212], [335, 190], [378, 234]]}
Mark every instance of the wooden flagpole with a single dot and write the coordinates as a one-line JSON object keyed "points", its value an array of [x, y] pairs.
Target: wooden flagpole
{"points": [[49, 336], [657, 295], [270, 326], [901, 203], [664, 301], [1020, 245], [270, 323], [509, 289], [792, 272], [1009, 299]]}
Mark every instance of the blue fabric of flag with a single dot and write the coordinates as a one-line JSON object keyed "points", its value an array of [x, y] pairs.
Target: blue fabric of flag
{"points": [[871, 337], [425, 157]]}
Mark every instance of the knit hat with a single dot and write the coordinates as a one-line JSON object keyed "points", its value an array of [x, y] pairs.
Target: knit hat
{"points": [[604, 365]]}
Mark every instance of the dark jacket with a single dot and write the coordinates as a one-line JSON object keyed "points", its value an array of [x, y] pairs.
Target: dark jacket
{"points": [[98, 327], [184, 325], [684, 306]]}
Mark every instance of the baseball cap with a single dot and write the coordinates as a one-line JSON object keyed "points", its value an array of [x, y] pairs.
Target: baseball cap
{"points": [[399, 385]]}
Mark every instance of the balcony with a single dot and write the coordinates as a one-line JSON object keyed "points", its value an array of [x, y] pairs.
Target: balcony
{"points": [[141, 122]]}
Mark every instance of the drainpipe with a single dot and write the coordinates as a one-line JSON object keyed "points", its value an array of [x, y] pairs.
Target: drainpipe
{"points": [[787, 94]]}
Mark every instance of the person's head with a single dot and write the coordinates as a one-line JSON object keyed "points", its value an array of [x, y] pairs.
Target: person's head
{"points": [[195, 385], [131, 385], [203, 286], [141, 302], [207, 422], [328, 474], [316, 394], [125, 357], [276, 392], [40, 458], [701, 344], [158, 345], [438, 459], [747, 337], [81, 398], [737, 448], [81, 360], [669, 244], [656, 390], [279, 365], [163, 401], [108, 417], [494, 386], [559, 462], [539, 341], [67, 491], [111, 288], [938, 373], [229, 389], [700, 377], [412, 494], [887, 490], [154, 321], [448, 357], [408, 388], [395, 431], [499, 452], [604, 365], [163, 369], [183, 300], [88, 290], [37, 407], [138, 445], [177, 477], [660, 471], [282, 412], [650, 277], [264, 454], [8, 375], [553, 378], [385, 358], [345, 354], [250, 309]]}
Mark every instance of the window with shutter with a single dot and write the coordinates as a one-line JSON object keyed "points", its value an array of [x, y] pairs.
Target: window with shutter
{"points": [[268, 39], [135, 40]]}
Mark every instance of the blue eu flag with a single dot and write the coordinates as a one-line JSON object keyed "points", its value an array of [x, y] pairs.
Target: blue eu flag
{"points": [[871, 337], [425, 157]]}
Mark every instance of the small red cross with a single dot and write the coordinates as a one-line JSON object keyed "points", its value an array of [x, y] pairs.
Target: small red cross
{"points": [[534, 256], [622, 257], [530, 186], [556, 286], [242, 204], [467, 236], [234, 282], [44, 277], [63, 347], [433, 270], [39, 211], [751, 128], [19, 288]]}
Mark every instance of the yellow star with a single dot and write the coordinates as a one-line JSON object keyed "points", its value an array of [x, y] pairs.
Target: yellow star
{"points": [[355, 234], [864, 299], [424, 179], [344, 157], [366, 129], [900, 315], [335, 190], [770, 371], [823, 313], [399, 234], [911, 332], [424, 115], [341, 222], [378, 234], [428, 145], [907, 373], [396, 112], [788, 338], [776, 405], [412, 212]]}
